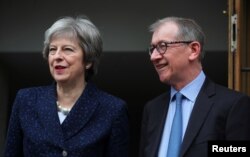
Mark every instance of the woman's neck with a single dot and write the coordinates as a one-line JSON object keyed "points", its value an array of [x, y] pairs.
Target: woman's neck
{"points": [[67, 94]]}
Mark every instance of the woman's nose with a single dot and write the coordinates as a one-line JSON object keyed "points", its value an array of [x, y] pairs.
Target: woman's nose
{"points": [[58, 54]]}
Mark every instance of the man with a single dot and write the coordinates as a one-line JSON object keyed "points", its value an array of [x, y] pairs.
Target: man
{"points": [[209, 112]]}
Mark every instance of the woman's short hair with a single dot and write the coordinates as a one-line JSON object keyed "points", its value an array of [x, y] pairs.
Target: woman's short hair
{"points": [[82, 29]]}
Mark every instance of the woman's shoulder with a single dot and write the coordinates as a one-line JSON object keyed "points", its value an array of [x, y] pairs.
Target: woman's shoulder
{"points": [[111, 97], [35, 89], [34, 92], [103, 96]]}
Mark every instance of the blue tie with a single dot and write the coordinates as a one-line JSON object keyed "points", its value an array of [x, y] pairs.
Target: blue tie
{"points": [[175, 138]]}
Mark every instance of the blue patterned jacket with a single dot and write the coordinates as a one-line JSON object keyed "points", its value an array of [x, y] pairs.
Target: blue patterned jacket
{"points": [[97, 125]]}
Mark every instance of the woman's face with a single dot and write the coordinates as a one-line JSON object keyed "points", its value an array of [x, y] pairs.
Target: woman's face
{"points": [[66, 60]]}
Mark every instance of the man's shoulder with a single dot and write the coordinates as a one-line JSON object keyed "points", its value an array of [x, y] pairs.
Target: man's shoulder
{"points": [[159, 100], [222, 91]]}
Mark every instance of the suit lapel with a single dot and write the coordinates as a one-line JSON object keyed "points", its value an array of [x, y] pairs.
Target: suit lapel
{"points": [[47, 111], [81, 112], [162, 112], [199, 114]]}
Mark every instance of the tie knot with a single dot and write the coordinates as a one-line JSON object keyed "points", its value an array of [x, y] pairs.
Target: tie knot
{"points": [[178, 97]]}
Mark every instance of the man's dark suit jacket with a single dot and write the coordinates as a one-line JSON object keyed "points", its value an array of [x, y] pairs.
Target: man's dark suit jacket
{"points": [[218, 114], [97, 125]]}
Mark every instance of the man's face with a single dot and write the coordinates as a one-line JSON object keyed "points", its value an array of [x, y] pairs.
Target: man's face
{"points": [[172, 64]]}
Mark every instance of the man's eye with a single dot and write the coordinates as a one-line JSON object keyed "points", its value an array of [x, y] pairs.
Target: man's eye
{"points": [[163, 45]]}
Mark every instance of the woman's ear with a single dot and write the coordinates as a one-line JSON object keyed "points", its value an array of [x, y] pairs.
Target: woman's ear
{"points": [[195, 50]]}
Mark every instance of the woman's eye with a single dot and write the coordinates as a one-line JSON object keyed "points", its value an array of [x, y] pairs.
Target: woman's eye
{"points": [[52, 50], [68, 49]]}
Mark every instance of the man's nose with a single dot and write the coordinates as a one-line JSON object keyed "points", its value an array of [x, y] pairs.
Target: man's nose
{"points": [[155, 54]]}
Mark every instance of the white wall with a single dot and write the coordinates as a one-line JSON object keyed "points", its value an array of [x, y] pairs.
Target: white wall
{"points": [[123, 23]]}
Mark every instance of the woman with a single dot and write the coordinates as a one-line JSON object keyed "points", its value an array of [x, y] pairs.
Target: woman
{"points": [[71, 117]]}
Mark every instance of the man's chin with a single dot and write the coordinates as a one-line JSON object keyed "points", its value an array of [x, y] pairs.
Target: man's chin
{"points": [[164, 80]]}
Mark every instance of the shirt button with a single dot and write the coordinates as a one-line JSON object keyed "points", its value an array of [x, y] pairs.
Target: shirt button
{"points": [[64, 153]]}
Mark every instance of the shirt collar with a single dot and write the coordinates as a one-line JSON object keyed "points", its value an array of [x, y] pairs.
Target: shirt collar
{"points": [[191, 90]]}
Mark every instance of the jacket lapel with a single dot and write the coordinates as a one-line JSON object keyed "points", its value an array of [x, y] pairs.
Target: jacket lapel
{"points": [[47, 111], [160, 117], [81, 112], [200, 111]]}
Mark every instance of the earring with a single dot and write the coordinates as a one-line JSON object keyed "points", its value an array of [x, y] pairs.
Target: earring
{"points": [[87, 66]]}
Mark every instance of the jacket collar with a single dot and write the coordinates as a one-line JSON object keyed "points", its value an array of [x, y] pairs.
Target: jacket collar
{"points": [[199, 114], [82, 111], [47, 110]]}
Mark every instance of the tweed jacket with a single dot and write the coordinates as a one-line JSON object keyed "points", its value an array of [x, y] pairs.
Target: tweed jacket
{"points": [[97, 125]]}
